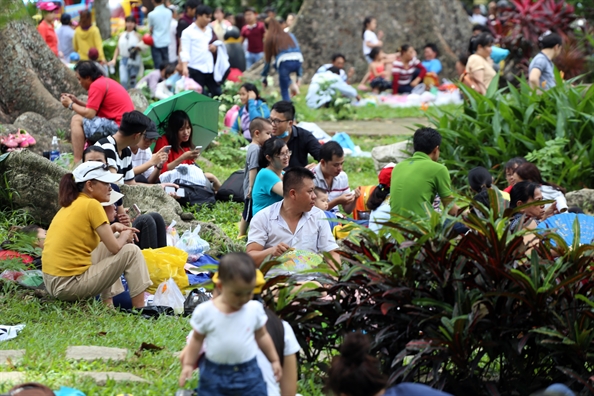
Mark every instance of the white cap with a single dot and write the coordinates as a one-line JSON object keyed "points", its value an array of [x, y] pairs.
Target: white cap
{"points": [[94, 170], [114, 197]]}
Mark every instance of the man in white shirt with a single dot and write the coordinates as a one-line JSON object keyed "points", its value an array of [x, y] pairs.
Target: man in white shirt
{"points": [[159, 23], [147, 166], [477, 16], [294, 222], [197, 51]]}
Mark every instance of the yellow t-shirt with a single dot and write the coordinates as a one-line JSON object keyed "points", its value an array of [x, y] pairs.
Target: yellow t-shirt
{"points": [[84, 40], [476, 63], [71, 237]]}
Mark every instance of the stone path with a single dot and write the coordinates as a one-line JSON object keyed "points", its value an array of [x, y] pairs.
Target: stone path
{"points": [[84, 352], [397, 126]]}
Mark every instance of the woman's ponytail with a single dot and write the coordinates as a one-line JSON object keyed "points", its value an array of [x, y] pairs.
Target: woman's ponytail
{"points": [[68, 190]]}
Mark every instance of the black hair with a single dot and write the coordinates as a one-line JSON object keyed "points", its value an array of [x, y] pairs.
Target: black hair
{"points": [[479, 179], [334, 70], [86, 69], [474, 7], [375, 51], [331, 149], [169, 69], [203, 10], [549, 40], [433, 47], [483, 39], [175, 122], [481, 28], [293, 179], [366, 22], [530, 172], [377, 196], [463, 59], [249, 87], [404, 48], [249, 9], [269, 9], [270, 148], [158, 1], [130, 18], [191, 4], [426, 139], [286, 108], [219, 9], [514, 163], [338, 55], [237, 265], [258, 123], [96, 149], [483, 198], [133, 122], [522, 191], [320, 190], [65, 19], [232, 32]]}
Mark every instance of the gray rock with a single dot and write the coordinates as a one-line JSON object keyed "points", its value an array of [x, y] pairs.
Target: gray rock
{"points": [[14, 355], [383, 155], [91, 353], [583, 199], [11, 377], [101, 377], [139, 100], [38, 127]]}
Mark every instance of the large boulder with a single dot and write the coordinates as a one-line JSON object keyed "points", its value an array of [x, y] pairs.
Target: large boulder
{"points": [[583, 199], [397, 152], [139, 100]]}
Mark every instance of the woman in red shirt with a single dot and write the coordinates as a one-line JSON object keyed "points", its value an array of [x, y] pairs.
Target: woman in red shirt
{"points": [[46, 26], [178, 135]]}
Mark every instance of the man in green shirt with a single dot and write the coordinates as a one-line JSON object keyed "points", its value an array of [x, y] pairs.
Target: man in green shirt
{"points": [[417, 180]]}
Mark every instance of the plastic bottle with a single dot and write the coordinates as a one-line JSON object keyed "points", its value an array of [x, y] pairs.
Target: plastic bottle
{"points": [[55, 151]]}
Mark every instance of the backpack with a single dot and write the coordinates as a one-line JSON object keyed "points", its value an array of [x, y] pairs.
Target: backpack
{"points": [[232, 188], [196, 195]]}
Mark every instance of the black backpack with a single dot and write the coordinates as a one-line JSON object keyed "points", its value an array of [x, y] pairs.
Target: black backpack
{"points": [[232, 188], [196, 195]]}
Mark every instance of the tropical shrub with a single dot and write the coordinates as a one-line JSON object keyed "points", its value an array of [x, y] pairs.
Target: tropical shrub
{"points": [[474, 315], [513, 122]]}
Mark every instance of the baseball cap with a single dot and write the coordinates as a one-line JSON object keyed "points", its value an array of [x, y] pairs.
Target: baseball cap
{"points": [[385, 175], [93, 54], [151, 131], [47, 6], [260, 281], [94, 170], [74, 57], [114, 197]]}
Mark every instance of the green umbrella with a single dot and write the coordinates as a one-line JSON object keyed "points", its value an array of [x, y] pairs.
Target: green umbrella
{"points": [[202, 110]]}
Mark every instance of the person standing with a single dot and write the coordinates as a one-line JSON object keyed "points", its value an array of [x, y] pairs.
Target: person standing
{"points": [[477, 16], [541, 72], [46, 26], [197, 51], [220, 24], [87, 36], [160, 24], [480, 65], [288, 58], [253, 32], [65, 35], [129, 47], [172, 49], [187, 17], [370, 39]]}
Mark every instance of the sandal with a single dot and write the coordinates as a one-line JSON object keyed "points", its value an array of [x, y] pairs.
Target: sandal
{"points": [[26, 139], [9, 141]]}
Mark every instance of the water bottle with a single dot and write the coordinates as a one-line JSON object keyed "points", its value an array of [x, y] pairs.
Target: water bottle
{"points": [[55, 151]]}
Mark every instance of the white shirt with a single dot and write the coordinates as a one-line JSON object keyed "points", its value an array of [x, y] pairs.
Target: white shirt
{"points": [[370, 37], [172, 51], [268, 228], [380, 215], [230, 337], [478, 19], [340, 185], [185, 174], [142, 157], [194, 48], [291, 348]]}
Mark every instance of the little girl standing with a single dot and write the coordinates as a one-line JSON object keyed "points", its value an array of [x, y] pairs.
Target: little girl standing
{"points": [[252, 106], [232, 327]]}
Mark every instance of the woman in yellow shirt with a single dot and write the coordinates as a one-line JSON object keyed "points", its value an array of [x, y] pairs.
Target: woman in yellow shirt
{"points": [[81, 256], [480, 65], [87, 36]]}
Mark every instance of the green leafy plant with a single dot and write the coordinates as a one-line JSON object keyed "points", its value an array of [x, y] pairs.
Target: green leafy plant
{"points": [[550, 157], [341, 106]]}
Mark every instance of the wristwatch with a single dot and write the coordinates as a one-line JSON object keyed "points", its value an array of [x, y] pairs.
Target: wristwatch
{"points": [[159, 167], [70, 106]]}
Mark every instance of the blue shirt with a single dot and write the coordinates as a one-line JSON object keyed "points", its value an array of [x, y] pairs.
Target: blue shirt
{"points": [[433, 66], [262, 195], [547, 71], [160, 22]]}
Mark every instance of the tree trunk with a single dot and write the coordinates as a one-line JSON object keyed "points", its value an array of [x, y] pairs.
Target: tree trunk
{"points": [[103, 18], [325, 27], [32, 77]]}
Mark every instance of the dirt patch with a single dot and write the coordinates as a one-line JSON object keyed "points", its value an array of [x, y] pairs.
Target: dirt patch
{"points": [[399, 126]]}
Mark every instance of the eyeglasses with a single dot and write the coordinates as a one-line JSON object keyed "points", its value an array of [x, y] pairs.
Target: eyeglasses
{"points": [[285, 155], [103, 166], [277, 121]]}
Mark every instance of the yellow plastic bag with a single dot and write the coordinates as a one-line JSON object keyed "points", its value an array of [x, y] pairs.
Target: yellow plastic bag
{"points": [[164, 263]]}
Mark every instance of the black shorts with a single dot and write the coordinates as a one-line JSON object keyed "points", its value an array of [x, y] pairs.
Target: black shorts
{"points": [[247, 210]]}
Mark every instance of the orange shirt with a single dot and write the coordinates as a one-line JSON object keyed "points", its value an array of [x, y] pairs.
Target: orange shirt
{"points": [[49, 35]]}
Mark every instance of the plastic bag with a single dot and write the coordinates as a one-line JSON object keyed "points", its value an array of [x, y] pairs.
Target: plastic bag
{"points": [[191, 243], [172, 237], [164, 263], [169, 295]]}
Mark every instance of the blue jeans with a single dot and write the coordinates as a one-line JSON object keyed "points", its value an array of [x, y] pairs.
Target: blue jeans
{"points": [[284, 76], [251, 58], [128, 73], [160, 56], [243, 379]]}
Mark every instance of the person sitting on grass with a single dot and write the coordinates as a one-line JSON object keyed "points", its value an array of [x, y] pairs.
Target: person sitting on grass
{"points": [[324, 86], [407, 71], [230, 365], [528, 218], [268, 185], [81, 256], [156, 76], [379, 200], [148, 166], [481, 182], [293, 223], [252, 106], [260, 130], [24, 243], [322, 204], [550, 191], [377, 75], [510, 169]]}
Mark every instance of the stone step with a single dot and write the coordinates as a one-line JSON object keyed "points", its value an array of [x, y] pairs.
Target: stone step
{"points": [[90, 353], [101, 377], [15, 355], [11, 377]]}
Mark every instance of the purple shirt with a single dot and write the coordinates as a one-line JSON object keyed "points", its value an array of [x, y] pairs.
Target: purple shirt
{"points": [[245, 123]]}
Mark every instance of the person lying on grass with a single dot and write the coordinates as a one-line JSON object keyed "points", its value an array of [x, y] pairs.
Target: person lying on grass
{"points": [[81, 256]]}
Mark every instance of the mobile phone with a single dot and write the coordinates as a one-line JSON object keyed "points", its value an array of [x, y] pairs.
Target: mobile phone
{"points": [[181, 192], [198, 148], [169, 190], [135, 211], [166, 149]]}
